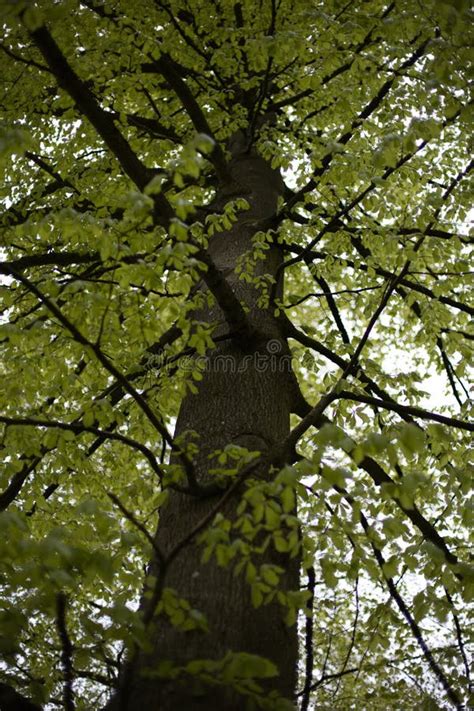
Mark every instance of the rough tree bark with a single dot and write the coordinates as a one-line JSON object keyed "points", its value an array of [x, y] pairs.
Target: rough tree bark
{"points": [[246, 402]]}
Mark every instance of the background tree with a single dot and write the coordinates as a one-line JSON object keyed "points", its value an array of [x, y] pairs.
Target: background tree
{"points": [[234, 258]]}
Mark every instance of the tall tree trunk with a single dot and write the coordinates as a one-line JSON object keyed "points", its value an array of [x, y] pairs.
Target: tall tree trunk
{"points": [[244, 398]]}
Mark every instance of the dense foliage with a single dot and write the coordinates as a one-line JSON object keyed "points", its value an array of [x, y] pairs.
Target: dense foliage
{"points": [[117, 119]]}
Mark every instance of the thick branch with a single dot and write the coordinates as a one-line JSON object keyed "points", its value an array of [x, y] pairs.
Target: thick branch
{"points": [[292, 332], [309, 254], [50, 258], [234, 312], [406, 410], [380, 478], [100, 119], [167, 67]]}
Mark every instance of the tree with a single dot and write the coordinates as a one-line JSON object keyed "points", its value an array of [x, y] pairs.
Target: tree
{"points": [[234, 256]]}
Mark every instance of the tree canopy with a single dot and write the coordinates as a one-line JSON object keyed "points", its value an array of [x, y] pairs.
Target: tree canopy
{"points": [[122, 123]]}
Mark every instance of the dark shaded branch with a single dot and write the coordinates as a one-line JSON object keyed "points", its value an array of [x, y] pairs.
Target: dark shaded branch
{"points": [[400, 603], [388, 291], [100, 10], [292, 332], [464, 334], [94, 347], [331, 677], [459, 637], [189, 20], [448, 369], [19, 212], [365, 252], [152, 126], [66, 652], [318, 295], [406, 409], [335, 220], [369, 109], [100, 119], [44, 165], [114, 393], [380, 478], [98, 678], [333, 308], [12, 700], [336, 72], [402, 231], [397, 598], [395, 595], [234, 312], [353, 633], [50, 258], [308, 644], [15, 485], [24, 60], [168, 69], [79, 429], [310, 253]]}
